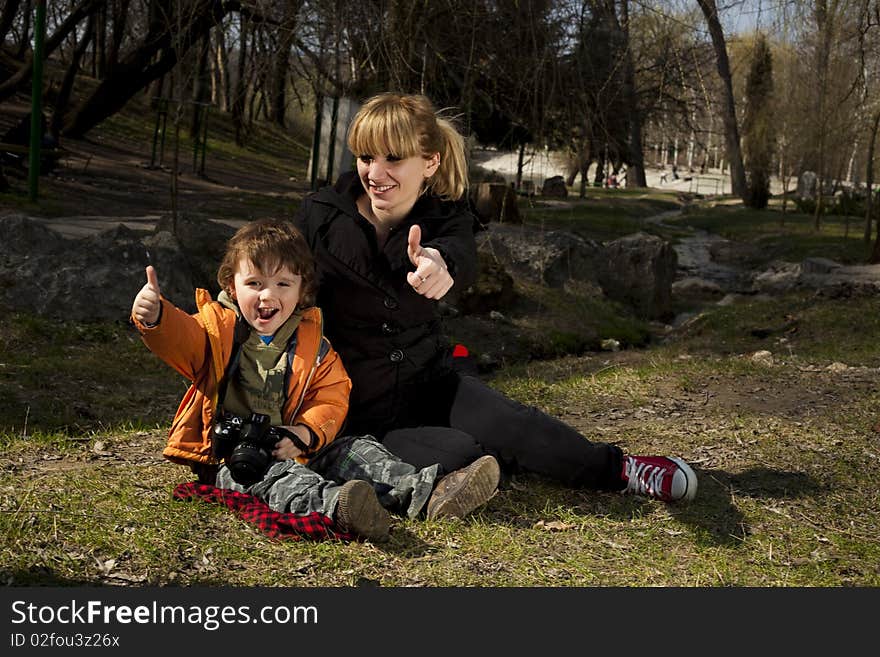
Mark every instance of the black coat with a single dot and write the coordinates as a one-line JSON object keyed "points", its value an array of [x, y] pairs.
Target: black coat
{"points": [[390, 338]]}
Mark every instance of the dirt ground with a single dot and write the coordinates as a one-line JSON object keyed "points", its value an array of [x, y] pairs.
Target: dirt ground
{"points": [[101, 180]]}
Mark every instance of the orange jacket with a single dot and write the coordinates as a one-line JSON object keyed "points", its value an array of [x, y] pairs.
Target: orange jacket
{"points": [[200, 346]]}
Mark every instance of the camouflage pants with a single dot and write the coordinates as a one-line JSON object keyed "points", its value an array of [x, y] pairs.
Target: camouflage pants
{"points": [[291, 487]]}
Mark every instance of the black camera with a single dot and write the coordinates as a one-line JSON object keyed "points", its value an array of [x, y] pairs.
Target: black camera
{"points": [[246, 445]]}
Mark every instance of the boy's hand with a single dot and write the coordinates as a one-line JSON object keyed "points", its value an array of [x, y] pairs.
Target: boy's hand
{"points": [[285, 449], [148, 302], [431, 278]]}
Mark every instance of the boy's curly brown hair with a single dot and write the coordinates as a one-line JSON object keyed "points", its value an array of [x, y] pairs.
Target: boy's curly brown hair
{"points": [[269, 245]]}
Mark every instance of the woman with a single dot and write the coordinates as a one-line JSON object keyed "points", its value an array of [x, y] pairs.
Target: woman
{"points": [[390, 240]]}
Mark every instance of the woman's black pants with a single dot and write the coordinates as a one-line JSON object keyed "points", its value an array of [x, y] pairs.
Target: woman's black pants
{"points": [[457, 419]]}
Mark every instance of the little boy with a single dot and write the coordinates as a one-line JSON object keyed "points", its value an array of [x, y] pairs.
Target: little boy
{"points": [[258, 351]]}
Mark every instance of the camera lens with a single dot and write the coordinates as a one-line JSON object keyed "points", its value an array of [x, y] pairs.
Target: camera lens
{"points": [[248, 463]]}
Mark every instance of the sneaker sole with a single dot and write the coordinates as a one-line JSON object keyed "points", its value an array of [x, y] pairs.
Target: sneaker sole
{"points": [[359, 511], [474, 491], [690, 491]]}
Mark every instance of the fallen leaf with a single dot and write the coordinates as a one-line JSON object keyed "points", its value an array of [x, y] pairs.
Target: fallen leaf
{"points": [[105, 566], [553, 526]]}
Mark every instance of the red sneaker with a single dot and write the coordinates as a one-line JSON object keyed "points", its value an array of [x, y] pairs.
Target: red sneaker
{"points": [[660, 477]]}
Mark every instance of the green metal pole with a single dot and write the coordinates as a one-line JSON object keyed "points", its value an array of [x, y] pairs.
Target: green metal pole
{"points": [[36, 98]]}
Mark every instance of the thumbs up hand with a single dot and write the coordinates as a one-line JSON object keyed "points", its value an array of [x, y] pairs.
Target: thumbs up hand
{"points": [[431, 278], [148, 302]]}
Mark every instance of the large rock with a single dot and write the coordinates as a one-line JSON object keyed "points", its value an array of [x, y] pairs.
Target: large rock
{"points": [[820, 275], [547, 257], [554, 186], [638, 270], [96, 277], [203, 241], [493, 289]]}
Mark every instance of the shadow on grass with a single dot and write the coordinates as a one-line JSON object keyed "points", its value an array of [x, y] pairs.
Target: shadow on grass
{"points": [[713, 515], [40, 576]]}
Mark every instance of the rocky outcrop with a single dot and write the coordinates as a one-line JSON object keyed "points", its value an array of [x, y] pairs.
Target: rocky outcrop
{"points": [[96, 277], [635, 270], [822, 275], [554, 186], [547, 257], [638, 271]]}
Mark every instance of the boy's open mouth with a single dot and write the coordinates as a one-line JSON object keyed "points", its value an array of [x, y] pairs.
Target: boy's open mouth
{"points": [[266, 313]]}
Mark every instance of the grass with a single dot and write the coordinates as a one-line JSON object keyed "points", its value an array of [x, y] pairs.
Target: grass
{"points": [[826, 330], [63, 377], [603, 216], [785, 452], [791, 236]]}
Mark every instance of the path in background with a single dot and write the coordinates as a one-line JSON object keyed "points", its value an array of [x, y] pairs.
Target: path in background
{"points": [[545, 164]]}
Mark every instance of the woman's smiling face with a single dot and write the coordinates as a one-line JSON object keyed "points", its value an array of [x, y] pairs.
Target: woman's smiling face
{"points": [[266, 300], [394, 184]]}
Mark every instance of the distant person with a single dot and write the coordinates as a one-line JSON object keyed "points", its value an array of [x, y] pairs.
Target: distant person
{"points": [[390, 240], [674, 172], [269, 396]]}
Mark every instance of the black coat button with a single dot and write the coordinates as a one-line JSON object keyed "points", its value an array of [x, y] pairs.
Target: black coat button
{"points": [[390, 303], [388, 328], [396, 356]]}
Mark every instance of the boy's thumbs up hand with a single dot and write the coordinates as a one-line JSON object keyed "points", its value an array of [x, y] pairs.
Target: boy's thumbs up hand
{"points": [[148, 302]]}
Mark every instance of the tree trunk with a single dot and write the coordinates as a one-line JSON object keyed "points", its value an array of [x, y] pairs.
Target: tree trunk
{"points": [[25, 42], [7, 17], [238, 97], [728, 115], [120, 18], [138, 68], [869, 182], [221, 72], [278, 84], [23, 75], [585, 172], [101, 42], [63, 99], [201, 88], [635, 160], [520, 158]]}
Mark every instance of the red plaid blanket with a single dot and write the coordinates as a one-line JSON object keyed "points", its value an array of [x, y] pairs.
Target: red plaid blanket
{"points": [[288, 526]]}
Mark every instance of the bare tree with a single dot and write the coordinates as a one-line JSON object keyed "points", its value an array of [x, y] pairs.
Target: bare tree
{"points": [[7, 17], [728, 114], [82, 10], [151, 58]]}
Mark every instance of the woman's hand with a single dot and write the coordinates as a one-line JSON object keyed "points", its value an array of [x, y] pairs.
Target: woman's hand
{"points": [[431, 278], [285, 449]]}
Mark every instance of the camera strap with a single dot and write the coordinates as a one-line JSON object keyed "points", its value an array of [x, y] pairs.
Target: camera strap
{"points": [[297, 442], [239, 335]]}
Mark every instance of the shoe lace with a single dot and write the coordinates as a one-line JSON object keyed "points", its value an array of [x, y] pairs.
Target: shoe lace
{"points": [[644, 478]]}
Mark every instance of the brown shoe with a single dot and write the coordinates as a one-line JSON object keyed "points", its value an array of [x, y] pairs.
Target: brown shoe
{"points": [[358, 511], [462, 491]]}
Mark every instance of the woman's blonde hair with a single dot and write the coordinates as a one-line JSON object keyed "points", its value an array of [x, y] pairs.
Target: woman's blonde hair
{"points": [[405, 125]]}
